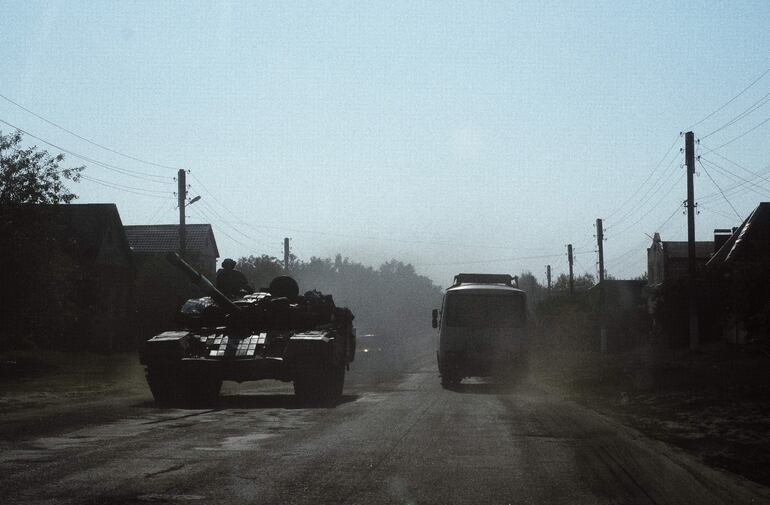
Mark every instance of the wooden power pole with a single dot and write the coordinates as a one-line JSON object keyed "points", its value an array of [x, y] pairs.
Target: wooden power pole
{"points": [[548, 277], [182, 197], [600, 243], [689, 158], [571, 276], [286, 253], [602, 287]]}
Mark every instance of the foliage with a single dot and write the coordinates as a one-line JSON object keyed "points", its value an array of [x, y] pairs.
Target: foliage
{"points": [[535, 291], [393, 301], [582, 282], [566, 322], [31, 175], [260, 270]]}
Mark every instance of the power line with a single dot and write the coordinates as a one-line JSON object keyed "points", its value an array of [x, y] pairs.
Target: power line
{"points": [[755, 174], [654, 190], [739, 136], [657, 204], [221, 230], [126, 189], [689, 128], [658, 228], [720, 189], [715, 211], [124, 171], [647, 196], [649, 176], [225, 207], [755, 106], [85, 139], [746, 181], [498, 260]]}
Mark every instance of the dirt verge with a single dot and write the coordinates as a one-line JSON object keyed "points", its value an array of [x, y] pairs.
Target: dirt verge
{"points": [[714, 403]]}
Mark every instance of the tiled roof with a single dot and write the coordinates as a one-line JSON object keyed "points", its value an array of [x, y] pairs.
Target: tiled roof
{"points": [[160, 238]]}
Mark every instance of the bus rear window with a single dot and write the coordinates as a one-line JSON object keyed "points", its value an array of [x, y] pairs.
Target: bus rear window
{"points": [[485, 311]]}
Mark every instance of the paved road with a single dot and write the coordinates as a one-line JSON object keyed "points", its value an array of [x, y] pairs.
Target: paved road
{"points": [[401, 440]]}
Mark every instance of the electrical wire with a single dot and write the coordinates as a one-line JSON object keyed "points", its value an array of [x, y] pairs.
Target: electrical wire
{"points": [[648, 195], [730, 100], [715, 211], [223, 232], [755, 106], [658, 228], [738, 165], [751, 184], [649, 176], [738, 137], [720, 189], [657, 204], [126, 189], [128, 156], [158, 179]]}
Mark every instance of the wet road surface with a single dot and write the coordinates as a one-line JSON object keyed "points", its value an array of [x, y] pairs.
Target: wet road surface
{"points": [[399, 440]]}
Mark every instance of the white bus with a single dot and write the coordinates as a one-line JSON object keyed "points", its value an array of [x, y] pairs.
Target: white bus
{"points": [[482, 328]]}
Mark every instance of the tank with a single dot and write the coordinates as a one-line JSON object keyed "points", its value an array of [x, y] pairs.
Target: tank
{"points": [[272, 334]]}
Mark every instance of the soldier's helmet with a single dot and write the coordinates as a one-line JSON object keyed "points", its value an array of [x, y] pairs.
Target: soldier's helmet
{"points": [[228, 264]]}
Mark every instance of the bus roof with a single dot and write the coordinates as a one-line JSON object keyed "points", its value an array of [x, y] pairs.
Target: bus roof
{"points": [[485, 288]]}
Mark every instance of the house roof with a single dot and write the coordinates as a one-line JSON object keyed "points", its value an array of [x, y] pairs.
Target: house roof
{"points": [[750, 242], [677, 249], [80, 228], [160, 238]]}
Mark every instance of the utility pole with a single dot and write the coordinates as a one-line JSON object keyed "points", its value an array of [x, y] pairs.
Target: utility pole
{"points": [[286, 253], [602, 327], [182, 197], [600, 243], [571, 276], [548, 277], [689, 158]]}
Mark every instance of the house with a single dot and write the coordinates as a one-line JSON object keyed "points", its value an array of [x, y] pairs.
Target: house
{"points": [[667, 261], [667, 290], [161, 289], [67, 276], [147, 241], [740, 271]]}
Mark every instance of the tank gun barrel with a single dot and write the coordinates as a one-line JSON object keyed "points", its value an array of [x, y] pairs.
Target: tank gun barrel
{"points": [[202, 282]]}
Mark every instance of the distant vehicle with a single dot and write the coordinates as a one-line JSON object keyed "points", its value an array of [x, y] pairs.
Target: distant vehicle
{"points": [[482, 328], [368, 346], [277, 334]]}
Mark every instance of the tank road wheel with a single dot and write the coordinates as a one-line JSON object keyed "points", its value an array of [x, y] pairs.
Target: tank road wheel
{"points": [[321, 386], [165, 385], [174, 388], [203, 391]]}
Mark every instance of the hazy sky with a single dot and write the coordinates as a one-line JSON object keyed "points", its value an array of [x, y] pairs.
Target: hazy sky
{"points": [[473, 136]]}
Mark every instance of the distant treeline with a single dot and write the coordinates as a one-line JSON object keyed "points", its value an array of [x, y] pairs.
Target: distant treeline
{"points": [[391, 301]]}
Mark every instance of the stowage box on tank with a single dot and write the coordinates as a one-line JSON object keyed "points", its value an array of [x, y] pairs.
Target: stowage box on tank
{"points": [[278, 334]]}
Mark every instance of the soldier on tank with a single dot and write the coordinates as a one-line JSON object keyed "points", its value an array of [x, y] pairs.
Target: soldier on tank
{"points": [[230, 281]]}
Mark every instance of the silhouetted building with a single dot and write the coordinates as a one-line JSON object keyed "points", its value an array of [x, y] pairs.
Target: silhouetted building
{"points": [[667, 289], [162, 289], [740, 271], [67, 277], [667, 260]]}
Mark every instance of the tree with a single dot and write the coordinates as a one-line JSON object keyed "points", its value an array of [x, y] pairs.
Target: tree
{"points": [[535, 291], [31, 175], [582, 282]]}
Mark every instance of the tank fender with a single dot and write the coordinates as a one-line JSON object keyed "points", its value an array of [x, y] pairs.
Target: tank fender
{"points": [[169, 345], [317, 346]]}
